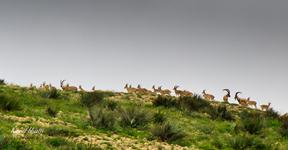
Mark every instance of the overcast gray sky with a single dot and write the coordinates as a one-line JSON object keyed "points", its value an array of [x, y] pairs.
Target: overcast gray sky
{"points": [[197, 44]]}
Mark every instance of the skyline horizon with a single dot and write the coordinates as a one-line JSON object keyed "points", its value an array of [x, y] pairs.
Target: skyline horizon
{"points": [[218, 98], [207, 44]]}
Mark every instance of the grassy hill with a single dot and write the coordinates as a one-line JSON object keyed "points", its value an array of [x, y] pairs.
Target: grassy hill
{"points": [[32, 118]]}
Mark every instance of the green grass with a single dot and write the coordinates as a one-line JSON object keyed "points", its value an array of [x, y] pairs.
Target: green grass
{"points": [[133, 119]]}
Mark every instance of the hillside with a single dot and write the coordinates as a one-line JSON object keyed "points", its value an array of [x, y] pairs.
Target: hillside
{"points": [[39, 118]]}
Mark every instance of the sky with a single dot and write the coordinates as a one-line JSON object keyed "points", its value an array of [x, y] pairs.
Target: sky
{"points": [[196, 44]]}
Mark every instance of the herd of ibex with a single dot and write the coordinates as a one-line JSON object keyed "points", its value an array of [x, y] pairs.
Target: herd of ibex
{"points": [[242, 101], [246, 102]]}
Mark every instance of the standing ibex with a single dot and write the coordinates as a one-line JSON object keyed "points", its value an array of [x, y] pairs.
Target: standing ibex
{"points": [[44, 86], [251, 103], [265, 107], [156, 91], [241, 101], [93, 88], [81, 89], [32, 87], [178, 92], [143, 90], [130, 89], [182, 93], [188, 93], [67, 87], [208, 96], [227, 96], [164, 92]]}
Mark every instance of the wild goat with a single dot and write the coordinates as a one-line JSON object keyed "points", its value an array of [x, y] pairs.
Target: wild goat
{"points": [[187, 93], [67, 87], [284, 117], [251, 103], [208, 96], [227, 96], [81, 89], [156, 91], [178, 92], [182, 93], [130, 89], [164, 92], [44, 86], [93, 88], [241, 101], [142, 90], [265, 107]]}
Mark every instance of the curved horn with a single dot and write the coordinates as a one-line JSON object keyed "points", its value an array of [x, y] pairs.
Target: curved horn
{"points": [[227, 90], [236, 95]]}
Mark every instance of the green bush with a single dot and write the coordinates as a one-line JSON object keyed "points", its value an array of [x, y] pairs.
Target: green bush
{"points": [[111, 105], [217, 143], [284, 129], [9, 103], [51, 111], [50, 93], [57, 142], [251, 122], [166, 132], [271, 113], [13, 143], [166, 101], [1, 140], [102, 118], [159, 118], [2, 82], [194, 103], [89, 99], [134, 117], [220, 112], [53, 93], [59, 131], [243, 142]]}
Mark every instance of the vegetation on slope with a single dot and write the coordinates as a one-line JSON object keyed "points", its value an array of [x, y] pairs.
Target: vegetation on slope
{"points": [[106, 120]]}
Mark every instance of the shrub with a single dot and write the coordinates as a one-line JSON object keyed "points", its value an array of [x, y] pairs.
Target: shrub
{"points": [[102, 118], [2, 82], [166, 101], [284, 129], [89, 99], [159, 118], [53, 93], [50, 93], [59, 131], [9, 103], [271, 113], [134, 117], [1, 140], [207, 129], [217, 143], [12, 143], [220, 112], [166, 132], [243, 142], [111, 105], [57, 142], [251, 122], [51, 111], [194, 103]]}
